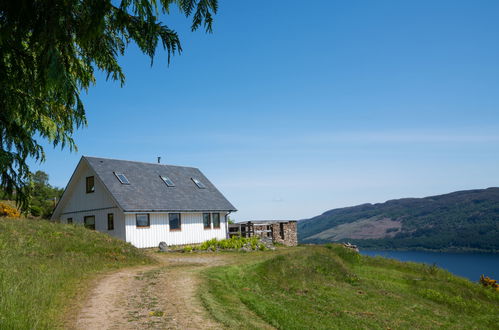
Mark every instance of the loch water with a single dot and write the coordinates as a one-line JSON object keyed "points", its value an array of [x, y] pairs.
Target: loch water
{"points": [[469, 265]]}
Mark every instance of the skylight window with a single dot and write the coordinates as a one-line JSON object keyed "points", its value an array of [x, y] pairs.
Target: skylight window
{"points": [[198, 183], [123, 179], [167, 180]]}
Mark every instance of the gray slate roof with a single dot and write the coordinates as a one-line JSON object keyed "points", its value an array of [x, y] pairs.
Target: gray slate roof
{"points": [[147, 192]]}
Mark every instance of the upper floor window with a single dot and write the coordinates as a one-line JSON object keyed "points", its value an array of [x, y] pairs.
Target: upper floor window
{"points": [[207, 220], [174, 220], [89, 222], [167, 180], [198, 183], [142, 220], [216, 220], [90, 184], [123, 179], [110, 221]]}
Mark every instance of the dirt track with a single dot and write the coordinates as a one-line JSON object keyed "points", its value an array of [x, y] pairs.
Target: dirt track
{"points": [[153, 297]]}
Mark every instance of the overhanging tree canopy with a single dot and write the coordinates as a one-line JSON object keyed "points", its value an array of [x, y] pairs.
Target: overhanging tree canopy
{"points": [[49, 50]]}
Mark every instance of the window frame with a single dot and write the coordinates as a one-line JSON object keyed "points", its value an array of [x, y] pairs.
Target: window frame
{"points": [[198, 183], [148, 220], [110, 224], [85, 222], [209, 221], [213, 220], [179, 222], [69, 221], [89, 189], [117, 175], [166, 179]]}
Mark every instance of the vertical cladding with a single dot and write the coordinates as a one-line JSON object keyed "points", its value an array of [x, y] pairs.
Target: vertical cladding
{"points": [[192, 230], [100, 220], [78, 199]]}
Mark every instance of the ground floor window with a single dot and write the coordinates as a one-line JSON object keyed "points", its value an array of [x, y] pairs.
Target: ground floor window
{"points": [[174, 220], [142, 220], [89, 222], [70, 220], [216, 220], [110, 221], [207, 220]]}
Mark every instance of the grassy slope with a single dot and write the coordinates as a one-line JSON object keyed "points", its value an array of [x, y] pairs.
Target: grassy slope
{"points": [[317, 287], [44, 264]]}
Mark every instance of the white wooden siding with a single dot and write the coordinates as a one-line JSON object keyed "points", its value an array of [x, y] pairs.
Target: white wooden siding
{"points": [[101, 221], [79, 200], [77, 204], [192, 230]]}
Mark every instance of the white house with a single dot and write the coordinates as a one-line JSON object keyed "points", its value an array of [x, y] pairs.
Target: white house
{"points": [[144, 203]]}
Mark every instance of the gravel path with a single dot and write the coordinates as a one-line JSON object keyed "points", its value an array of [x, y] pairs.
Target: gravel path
{"points": [[153, 297]]}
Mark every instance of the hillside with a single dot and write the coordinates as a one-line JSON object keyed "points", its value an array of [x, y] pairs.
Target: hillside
{"points": [[463, 220], [331, 287], [43, 265]]}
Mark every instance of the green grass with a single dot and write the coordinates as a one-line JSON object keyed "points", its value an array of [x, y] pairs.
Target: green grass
{"points": [[324, 287], [43, 265]]}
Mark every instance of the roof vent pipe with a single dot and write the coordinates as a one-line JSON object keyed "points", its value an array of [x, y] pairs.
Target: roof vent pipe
{"points": [[159, 160]]}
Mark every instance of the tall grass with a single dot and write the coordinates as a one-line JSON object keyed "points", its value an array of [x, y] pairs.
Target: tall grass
{"points": [[331, 287], [44, 264]]}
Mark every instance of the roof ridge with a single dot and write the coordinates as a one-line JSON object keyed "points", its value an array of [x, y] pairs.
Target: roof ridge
{"points": [[134, 161]]}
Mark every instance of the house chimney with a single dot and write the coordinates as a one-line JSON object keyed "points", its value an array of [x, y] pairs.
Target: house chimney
{"points": [[159, 160]]}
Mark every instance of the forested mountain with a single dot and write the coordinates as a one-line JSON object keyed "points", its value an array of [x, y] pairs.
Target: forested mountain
{"points": [[462, 220]]}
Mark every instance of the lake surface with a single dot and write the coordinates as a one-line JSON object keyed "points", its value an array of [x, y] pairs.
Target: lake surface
{"points": [[469, 265]]}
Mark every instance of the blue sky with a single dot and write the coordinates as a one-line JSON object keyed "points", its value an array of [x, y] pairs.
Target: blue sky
{"points": [[292, 108]]}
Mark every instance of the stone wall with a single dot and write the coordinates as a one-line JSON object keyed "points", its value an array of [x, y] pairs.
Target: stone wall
{"points": [[286, 229], [283, 232]]}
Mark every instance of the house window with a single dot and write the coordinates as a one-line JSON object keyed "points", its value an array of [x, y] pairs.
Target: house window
{"points": [[70, 220], [207, 220], [198, 183], [216, 220], [123, 179], [167, 181], [89, 222], [174, 220], [110, 221], [90, 184], [142, 220]]}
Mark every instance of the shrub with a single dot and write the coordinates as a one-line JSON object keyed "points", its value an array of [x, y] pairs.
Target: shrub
{"points": [[233, 243], [36, 211], [488, 282], [188, 248], [9, 211]]}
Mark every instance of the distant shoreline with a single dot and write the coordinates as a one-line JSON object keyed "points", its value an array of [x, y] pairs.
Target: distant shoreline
{"points": [[478, 251], [421, 249]]}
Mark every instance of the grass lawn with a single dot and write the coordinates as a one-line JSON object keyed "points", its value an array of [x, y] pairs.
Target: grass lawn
{"points": [[319, 287], [43, 265]]}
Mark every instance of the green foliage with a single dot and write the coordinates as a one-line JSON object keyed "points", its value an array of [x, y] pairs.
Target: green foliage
{"points": [[464, 220], [44, 264], [36, 211], [233, 243], [331, 287], [44, 196], [49, 51]]}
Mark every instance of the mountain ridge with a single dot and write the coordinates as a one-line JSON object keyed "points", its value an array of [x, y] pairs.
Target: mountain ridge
{"points": [[457, 221]]}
